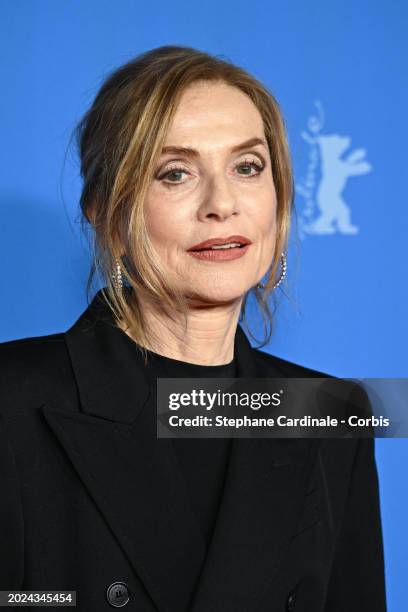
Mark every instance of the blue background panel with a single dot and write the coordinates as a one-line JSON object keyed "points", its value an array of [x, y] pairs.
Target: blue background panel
{"points": [[338, 70]]}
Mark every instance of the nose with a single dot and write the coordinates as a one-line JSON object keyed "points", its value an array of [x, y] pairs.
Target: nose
{"points": [[219, 200]]}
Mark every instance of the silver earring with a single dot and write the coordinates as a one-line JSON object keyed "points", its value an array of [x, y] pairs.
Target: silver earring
{"points": [[282, 274], [117, 275]]}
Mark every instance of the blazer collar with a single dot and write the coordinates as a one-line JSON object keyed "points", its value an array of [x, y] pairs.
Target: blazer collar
{"points": [[134, 479]]}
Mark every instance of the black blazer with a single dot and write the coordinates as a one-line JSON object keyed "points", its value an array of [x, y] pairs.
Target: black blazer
{"points": [[92, 501]]}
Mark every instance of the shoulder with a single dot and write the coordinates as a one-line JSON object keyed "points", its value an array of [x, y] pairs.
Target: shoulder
{"points": [[342, 459], [33, 353], [345, 396], [287, 368], [30, 367]]}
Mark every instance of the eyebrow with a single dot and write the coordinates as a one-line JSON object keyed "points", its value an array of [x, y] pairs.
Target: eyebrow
{"points": [[252, 142]]}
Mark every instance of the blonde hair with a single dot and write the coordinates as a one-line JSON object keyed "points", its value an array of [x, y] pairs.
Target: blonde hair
{"points": [[120, 139]]}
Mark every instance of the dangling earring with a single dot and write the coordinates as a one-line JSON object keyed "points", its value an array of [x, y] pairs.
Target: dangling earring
{"points": [[117, 275], [282, 275]]}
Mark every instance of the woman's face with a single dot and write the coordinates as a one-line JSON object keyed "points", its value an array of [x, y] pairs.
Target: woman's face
{"points": [[219, 185]]}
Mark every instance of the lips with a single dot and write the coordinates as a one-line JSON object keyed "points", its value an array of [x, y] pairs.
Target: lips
{"points": [[207, 244]]}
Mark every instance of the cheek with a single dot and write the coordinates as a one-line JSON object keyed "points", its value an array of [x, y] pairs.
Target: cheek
{"points": [[266, 217], [165, 230], [269, 222]]}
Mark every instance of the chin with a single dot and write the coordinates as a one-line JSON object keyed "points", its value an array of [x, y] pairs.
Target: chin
{"points": [[216, 297]]}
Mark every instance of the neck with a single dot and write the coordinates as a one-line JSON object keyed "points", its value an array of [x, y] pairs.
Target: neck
{"points": [[205, 337]]}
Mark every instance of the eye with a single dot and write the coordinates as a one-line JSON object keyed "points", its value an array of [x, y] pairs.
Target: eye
{"points": [[172, 174], [250, 164]]}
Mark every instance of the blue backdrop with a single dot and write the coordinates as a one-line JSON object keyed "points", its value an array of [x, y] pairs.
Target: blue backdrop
{"points": [[338, 71]]}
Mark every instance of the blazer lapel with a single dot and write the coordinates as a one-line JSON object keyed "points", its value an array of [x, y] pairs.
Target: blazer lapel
{"points": [[132, 476], [261, 503], [262, 500]]}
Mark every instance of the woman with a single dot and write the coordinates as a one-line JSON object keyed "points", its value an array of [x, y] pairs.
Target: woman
{"points": [[178, 148]]}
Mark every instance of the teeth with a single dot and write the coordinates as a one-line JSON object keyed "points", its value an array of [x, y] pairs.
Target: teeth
{"points": [[231, 245]]}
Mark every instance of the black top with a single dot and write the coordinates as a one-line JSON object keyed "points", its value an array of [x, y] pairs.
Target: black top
{"points": [[203, 460]]}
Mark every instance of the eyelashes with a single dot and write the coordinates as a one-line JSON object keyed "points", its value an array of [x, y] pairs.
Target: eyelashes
{"points": [[178, 169]]}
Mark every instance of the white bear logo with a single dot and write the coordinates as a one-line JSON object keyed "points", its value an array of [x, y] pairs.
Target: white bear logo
{"points": [[325, 196]]}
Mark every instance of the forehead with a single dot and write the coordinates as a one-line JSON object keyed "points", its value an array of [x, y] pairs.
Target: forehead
{"points": [[214, 110]]}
